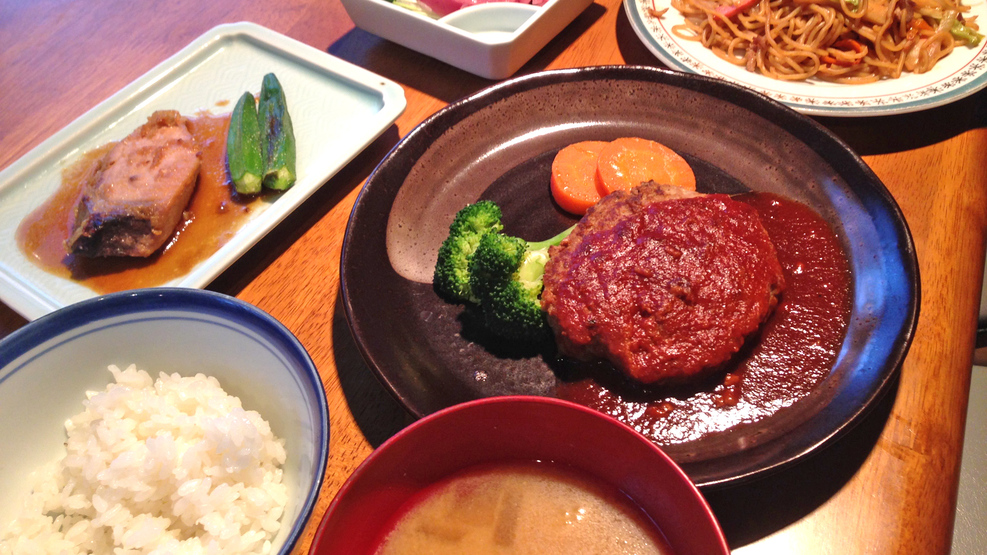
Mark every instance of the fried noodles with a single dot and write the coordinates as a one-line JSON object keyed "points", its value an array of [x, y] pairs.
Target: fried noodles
{"points": [[849, 41]]}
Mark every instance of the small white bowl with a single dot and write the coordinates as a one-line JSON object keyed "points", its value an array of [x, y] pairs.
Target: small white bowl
{"points": [[490, 40], [47, 366]]}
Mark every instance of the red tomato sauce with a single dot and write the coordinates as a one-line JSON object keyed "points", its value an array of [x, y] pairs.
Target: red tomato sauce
{"points": [[792, 354]]}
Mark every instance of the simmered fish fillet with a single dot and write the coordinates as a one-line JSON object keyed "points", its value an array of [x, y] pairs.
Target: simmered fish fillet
{"points": [[136, 200]]}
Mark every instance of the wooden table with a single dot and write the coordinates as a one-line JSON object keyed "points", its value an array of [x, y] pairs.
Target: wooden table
{"points": [[888, 487]]}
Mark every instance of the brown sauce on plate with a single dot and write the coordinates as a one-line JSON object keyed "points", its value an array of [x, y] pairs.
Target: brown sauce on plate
{"points": [[211, 219], [792, 354]]}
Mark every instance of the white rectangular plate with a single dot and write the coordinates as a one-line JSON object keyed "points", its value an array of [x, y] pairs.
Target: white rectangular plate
{"points": [[337, 110]]}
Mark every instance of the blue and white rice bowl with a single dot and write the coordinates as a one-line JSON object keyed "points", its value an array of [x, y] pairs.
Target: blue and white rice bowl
{"points": [[47, 367]]}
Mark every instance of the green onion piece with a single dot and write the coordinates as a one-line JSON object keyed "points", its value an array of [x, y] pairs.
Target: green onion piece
{"points": [[962, 32]]}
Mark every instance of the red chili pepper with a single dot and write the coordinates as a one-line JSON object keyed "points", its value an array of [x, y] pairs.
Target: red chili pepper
{"points": [[843, 45], [919, 24], [850, 43], [834, 62], [730, 10]]}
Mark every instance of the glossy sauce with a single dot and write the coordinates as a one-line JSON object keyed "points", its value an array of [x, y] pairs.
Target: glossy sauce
{"points": [[521, 508], [212, 217], [793, 353]]}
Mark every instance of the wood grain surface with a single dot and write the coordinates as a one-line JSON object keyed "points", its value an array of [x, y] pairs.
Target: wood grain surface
{"points": [[888, 486]]}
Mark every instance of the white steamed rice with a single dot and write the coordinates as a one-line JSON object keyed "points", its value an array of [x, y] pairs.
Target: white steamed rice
{"points": [[168, 466]]}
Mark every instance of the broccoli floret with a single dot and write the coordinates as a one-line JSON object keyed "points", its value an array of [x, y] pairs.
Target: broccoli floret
{"points": [[451, 277], [505, 274], [497, 274]]}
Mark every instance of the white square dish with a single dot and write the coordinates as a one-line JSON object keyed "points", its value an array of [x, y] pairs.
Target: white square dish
{"points": [[337, 110], [494, 55]]}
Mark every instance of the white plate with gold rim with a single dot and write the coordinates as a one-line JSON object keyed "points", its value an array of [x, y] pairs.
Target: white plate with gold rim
{"points": [[960, 74]]}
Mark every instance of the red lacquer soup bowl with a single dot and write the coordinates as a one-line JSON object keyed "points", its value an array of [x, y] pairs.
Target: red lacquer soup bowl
{"points": [[512, 429]]}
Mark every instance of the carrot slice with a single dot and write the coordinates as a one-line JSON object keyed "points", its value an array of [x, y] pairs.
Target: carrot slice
{"points": [[574, 176], [627, 162]]}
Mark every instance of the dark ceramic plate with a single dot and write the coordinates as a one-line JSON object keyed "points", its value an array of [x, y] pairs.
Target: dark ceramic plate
{"points": [[499, 144]]}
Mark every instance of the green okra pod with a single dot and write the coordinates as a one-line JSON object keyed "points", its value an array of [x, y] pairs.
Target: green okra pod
{"points": [[277, 135], [243, 147]]}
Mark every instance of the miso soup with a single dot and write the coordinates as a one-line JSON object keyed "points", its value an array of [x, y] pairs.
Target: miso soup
{"points": [[522, 508]]}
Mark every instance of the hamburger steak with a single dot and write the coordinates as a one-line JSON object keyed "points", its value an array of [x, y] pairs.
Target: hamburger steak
{"points": [[664, 283]]}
